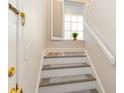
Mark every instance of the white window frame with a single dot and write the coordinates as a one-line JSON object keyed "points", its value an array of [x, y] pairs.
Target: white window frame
{"points": [[71, 27]]}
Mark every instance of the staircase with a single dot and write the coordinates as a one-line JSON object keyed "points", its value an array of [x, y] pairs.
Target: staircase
{"points": [[68, 73]]}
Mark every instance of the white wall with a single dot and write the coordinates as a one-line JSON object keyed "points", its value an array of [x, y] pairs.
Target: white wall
{"points": [[73, 8], [105, 70], [101, 19], [59, 43], [35, 39], [66, 44]]}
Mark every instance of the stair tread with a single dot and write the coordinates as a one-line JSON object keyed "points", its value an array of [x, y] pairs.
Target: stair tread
{"points": [[67, 54], [85, 91], [66, 80], [66, 65]]}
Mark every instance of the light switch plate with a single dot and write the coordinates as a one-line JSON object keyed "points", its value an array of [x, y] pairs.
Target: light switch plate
{"points": [[26, 53]]}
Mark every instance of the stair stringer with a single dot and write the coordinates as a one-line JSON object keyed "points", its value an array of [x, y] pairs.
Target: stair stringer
{"points": [[99, 85]]}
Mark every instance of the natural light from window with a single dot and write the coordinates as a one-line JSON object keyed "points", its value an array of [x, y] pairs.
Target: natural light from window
{"points": [[73, 23]]}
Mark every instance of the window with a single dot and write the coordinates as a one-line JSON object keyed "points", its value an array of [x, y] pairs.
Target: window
{"points": [[73, 23]]}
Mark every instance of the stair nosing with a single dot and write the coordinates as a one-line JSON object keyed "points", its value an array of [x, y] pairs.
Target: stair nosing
{"points": [[63, 56], [67, 54], [66, 67], [68, 82], [81, 91]]}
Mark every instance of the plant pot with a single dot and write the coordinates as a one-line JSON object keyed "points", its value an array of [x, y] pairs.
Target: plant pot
{"points": [[74, 38]]}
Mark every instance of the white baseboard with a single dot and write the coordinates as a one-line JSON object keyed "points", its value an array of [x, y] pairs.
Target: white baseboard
{"points": [[39, 73], [100, 87]]}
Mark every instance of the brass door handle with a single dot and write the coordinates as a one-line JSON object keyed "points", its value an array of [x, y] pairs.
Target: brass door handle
{"points": [[12, 90], [22, 14], [19, 90], [11, 71], [17, 12], [16, 90]]}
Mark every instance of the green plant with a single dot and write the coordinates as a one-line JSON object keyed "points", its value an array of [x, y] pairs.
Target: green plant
{"points": [[74, 35]]}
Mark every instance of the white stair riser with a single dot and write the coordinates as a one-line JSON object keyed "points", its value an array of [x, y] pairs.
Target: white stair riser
{"points": [[68, 87], [64, 72], [65, 60]]}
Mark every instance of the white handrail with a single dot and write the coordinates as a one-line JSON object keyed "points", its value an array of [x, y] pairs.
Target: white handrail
{"points": [[102, 46]]}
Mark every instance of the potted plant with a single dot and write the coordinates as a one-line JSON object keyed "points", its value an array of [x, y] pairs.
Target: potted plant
{"points": [[74, 35]]}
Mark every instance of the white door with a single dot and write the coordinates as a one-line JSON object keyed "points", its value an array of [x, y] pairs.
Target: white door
{"points": [[12, 44]]}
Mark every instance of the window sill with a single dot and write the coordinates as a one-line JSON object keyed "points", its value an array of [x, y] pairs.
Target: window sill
{"points": [[68, 40], [74, 40]]}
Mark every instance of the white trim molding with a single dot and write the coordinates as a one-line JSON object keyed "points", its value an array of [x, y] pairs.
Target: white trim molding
{"points": [[39, 73], [51, 23], [102, 46], [100, 87], [45, 51]]}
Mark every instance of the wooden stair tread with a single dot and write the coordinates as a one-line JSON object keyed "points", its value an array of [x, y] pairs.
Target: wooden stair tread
{"points": [[85, 91], [66, 80], [63, 66], [67, 54]]}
